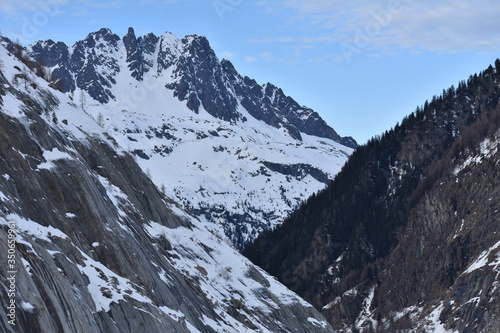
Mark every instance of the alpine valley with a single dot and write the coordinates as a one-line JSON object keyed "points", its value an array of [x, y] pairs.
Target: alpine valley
{"points": [[135, 171], [132, 171]]}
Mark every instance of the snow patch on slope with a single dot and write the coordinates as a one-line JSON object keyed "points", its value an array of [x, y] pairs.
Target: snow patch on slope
{"points": [[203, 254], [489, 257], [53, 155], [488, 148]]}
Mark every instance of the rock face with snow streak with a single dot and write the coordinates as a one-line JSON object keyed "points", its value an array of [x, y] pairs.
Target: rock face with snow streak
{"points": [[98, 247], [205, 133]]}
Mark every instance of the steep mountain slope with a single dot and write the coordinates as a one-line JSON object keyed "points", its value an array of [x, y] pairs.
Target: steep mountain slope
{"points": [[230, 150], [98, 248], [407, 236]]}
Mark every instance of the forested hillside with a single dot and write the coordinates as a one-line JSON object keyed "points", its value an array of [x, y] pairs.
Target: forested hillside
{"points": [[346, 248]]}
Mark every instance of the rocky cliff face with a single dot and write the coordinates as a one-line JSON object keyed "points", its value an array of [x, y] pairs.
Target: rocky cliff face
{"points": [[202, 131], [407, 236], [448, 257], [98, 247], [197, 77]]}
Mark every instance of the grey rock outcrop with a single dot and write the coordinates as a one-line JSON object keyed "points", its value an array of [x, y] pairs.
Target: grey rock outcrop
{"points": [[98, 247]]}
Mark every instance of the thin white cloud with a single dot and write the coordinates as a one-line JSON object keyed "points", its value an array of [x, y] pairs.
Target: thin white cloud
{"points": [[14, 7], [251, 59], [290, 39], [444, 26], [299, 49], [162, 2], [102, 4], [267, 56], [23, 20], [227, 55], [18, 7], [449, 26], [282, 39]]}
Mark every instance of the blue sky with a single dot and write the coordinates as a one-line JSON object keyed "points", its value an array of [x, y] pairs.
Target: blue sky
{"points": [[361, 64]]}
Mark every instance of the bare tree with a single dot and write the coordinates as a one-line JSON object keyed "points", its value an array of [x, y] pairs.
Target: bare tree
{"points": [[100, 120], [83, 100], [1, 61], [17, 49]]}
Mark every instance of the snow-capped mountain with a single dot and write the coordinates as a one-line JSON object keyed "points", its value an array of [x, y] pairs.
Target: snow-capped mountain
{"points": [[97, 247], [231, 151]]}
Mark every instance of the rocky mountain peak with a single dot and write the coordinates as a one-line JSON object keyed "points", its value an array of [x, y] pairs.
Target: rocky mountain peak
{"points": [[106, 35], [101, 39], [130, 33], [56, 53], [148, 43], [173, 102], [135, 59], [197, 78]]}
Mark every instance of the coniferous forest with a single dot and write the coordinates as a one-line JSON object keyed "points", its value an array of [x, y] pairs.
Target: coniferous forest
{"points": [[343, 236]]}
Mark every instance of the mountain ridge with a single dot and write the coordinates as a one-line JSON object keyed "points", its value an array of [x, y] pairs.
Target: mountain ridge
{"points": [[193, 47]]}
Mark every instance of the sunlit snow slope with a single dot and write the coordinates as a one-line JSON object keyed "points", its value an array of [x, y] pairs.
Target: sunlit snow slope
{"points": [[229, 150], [98, 248]]}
